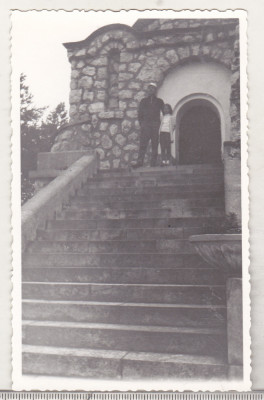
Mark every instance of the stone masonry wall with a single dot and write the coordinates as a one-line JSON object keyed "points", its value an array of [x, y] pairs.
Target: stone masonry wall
{"points": [[120, 61]]}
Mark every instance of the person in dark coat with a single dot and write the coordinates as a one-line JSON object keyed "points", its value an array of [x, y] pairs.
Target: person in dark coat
{"points": [[149, 111]]}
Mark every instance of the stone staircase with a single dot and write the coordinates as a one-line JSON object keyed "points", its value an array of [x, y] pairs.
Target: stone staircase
{"points": [[112, 289]]}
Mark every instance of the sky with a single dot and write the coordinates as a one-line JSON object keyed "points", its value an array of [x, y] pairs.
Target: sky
{"points": [[37, 50]]}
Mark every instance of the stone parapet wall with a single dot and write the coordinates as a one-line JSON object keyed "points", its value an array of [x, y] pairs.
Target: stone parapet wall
{"points": [[111, 70], [51, 199]]}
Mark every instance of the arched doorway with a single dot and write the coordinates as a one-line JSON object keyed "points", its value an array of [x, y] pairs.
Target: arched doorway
{"points": [[199, 133]]}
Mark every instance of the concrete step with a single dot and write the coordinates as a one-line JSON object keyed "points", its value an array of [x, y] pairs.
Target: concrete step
{"points": [[151, 197], [113, 214], [122, 182], [118, 234], [73, 214], [136, 338], [157, 171], [178, 315], [109, 364], [132, 223], [175, 246], [82, 204], [122, 260], [174, 294], [133, 190], [74, 274]]}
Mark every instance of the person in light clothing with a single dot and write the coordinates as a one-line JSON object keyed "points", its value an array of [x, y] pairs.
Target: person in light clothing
{"points": [[167, 127]]}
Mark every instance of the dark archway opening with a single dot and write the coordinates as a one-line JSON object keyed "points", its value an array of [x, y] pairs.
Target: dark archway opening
{"points": [[199, 136]]}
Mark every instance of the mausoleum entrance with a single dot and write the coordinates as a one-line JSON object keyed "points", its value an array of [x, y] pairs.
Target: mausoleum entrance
{"points": [[199, 135]]}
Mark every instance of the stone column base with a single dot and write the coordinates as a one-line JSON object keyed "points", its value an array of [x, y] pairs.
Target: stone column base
{"points": [[234, 327], [235, 372]]}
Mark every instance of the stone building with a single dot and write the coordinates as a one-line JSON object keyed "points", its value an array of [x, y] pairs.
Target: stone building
{"points": [[112, 286], [195, 64]]}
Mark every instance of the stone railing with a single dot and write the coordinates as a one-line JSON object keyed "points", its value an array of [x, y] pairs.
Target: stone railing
{"points": [[52, 197]]}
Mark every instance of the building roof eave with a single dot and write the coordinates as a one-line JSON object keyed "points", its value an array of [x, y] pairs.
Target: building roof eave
{"points": [[102, 30]]}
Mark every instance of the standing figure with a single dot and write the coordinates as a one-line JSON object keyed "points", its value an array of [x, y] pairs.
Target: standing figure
{"points": [[167, 127], [149, 112]]}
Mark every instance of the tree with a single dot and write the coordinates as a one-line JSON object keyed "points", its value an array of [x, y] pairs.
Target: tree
{"points": [[50, 127], [58, 117], [37, 135], [30, 115]]}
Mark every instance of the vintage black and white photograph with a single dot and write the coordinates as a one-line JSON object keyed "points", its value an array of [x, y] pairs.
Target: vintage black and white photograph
{"points": [[130, 200]]}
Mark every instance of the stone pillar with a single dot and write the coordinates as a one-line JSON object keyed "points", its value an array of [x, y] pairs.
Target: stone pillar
{"points": [[235, 91], [232, 176], [235, 327], [232, 156]]}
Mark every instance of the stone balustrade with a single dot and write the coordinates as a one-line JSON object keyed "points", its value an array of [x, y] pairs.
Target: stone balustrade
{"points": [[52, 197]]}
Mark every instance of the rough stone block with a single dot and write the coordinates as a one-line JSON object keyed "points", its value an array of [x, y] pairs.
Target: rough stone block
{"points": [[146, 74], [86, 127], [94, 120], [100, 84], [86, 82], [126, 126], [139, 96], [134, 67], [206, 50], [101, 153], [75, 96], [120, 139], [106, 142], [113, 130], [122, 67], [131, 147], [163, 64], [116, 163], [73, 110], [126, 57], [105, 38], [172, 56], [105, 165], [125, 94], [132, 113], [125, 76], [106, 114], [133, 137], [216, 53], [79, 53], [103, 126], [80, 64], [89, 71], [133, 104], [122, 105], [96, 107], [88, 95], [74, 84], [209, 37], [102, 73], [99, 61], [91, 51], [119, 114], [195, 49], [183, 52], [83, 108], [116, 151], [101, 95]]}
